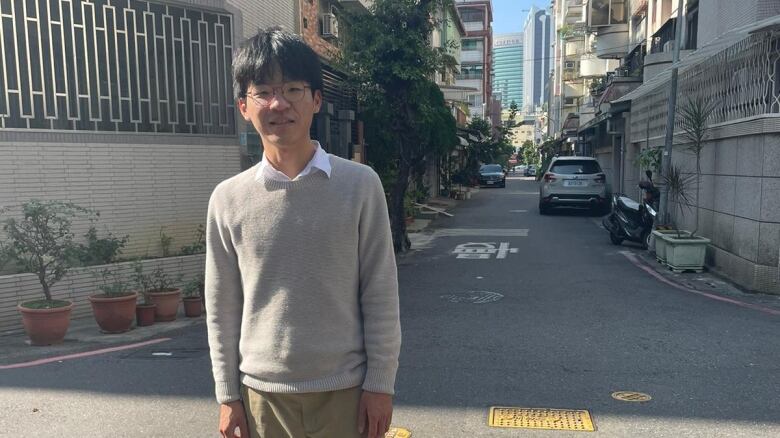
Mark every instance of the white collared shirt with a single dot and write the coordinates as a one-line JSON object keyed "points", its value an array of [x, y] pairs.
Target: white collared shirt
{"points": [[320, 160]]}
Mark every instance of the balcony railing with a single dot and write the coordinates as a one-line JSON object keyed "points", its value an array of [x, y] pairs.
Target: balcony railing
{"points": [[466, 77], [664, 35], [742, 81]]}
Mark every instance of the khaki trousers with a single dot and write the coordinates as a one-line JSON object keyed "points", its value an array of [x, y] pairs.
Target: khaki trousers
{"points": [[330, 414]]}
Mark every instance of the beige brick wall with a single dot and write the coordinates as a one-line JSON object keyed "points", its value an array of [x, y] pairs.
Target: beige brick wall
{"points": [[137, 188]]}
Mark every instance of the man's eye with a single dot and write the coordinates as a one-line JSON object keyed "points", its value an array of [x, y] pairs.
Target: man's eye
{"points": [[294, 89], [263, 94]]}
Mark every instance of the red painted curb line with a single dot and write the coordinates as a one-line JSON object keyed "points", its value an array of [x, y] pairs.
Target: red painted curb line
{"points": [[80, 355], [633, 259]]}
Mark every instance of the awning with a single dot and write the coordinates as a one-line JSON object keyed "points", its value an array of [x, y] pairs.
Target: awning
{"points": [[708, 50], [593, 122], [617, 89]]}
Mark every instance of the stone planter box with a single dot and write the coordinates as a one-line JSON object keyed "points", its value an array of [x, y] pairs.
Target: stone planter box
{"points": [[686, 254], [660, 244]]}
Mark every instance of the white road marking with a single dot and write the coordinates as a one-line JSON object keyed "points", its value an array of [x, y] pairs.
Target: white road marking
{"points": [[483, 250], [488, 232], [518, 211]]}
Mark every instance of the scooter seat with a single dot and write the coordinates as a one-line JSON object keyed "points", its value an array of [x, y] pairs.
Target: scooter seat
{"points": [[628, 204]]}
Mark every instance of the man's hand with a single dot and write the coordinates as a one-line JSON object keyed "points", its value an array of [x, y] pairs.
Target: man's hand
{"points": [[376, 412], [231, 416]]}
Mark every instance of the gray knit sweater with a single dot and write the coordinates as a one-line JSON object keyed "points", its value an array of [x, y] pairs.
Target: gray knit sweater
{"points": [[301, 284]]}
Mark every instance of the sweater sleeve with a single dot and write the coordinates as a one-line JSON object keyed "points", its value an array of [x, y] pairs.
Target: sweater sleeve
{"points": [[224, 302], [378, 291]]}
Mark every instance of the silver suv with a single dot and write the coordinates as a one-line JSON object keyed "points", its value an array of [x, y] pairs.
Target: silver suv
{"points": [[573, 181]]}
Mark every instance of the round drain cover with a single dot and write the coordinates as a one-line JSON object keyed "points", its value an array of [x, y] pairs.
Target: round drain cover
{"points": [[473, 297], [631, 396]]}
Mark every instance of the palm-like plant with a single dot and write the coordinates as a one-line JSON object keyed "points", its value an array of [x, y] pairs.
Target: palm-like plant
{"points": [[679, 184], [694, 118]]}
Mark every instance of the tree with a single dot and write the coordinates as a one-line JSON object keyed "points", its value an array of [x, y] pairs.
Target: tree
{"points": [[390, 60], [694, 118]]}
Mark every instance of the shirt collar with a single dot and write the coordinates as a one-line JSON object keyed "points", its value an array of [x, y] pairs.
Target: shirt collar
{"points": [[320, 161]]}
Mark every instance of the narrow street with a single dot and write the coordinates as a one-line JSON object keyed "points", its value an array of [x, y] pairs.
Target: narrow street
{"points": [[556, 318]]}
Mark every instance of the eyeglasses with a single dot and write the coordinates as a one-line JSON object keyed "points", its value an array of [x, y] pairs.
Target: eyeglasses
{"points": [[291, 91]]}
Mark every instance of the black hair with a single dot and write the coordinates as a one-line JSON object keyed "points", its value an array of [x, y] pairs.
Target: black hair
{"points": [[274, 50]]}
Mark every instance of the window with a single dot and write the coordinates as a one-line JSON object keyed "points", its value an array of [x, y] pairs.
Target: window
{"points": [[469, 15], [692, 25], [471, 45], [575, 167], [117, 66], [608, 12]]}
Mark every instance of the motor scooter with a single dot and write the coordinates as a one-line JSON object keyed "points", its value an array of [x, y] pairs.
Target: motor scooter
{"points": [[631, 220]]}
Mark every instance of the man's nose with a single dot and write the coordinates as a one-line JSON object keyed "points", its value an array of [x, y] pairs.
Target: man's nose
{"points": [[278, 102]]}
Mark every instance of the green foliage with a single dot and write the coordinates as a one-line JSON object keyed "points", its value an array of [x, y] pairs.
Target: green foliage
{"points": [[390, 61], [694, 117], [165, 243], [198, 246], [98, 250], [156, 281], [196, 286], [650, 158], [42, 241], [112, 283], [679, 184]]}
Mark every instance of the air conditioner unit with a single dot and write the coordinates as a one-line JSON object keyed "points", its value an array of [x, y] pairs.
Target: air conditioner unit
{"points": [[330, 26], [570, 65]]}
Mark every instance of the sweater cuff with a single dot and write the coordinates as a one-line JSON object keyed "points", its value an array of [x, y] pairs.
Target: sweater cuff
{"points": [[227, 391], [380, 380]]}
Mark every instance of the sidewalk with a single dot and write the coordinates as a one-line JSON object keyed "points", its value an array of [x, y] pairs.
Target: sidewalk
{"points": [[419, 230], [84, 336], [706, 283]]}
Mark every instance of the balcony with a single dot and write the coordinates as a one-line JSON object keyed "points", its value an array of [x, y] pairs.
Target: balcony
{"points": [[591, 66], [573, 89], [472, 56], [612, 41], [357, 6], [573, 12], [574, 49], [474, 26], [663, 39]]}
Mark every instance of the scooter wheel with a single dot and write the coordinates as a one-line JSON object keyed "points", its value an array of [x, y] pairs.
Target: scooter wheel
{"points": [[616, 240]]}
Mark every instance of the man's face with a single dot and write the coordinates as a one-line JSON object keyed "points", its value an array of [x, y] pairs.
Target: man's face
{"points": [[282, 122]]}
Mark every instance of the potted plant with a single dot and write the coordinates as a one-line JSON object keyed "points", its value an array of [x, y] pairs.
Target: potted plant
{"points": [[114, 307], [193, 295], [685, 250], [41, 242], [159, 289], [145, 310]]}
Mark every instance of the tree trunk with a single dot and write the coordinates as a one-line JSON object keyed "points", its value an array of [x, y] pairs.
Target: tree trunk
{"points": [[698, 190], [397, 214]]}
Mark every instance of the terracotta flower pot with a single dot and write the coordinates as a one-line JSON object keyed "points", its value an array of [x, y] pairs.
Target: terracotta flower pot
{"points": [[193, 307], [144, 314], [114, 314], [167, 304], [46, 326]]}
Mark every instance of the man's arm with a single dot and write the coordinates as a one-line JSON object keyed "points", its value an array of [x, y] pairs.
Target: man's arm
{"points": [[378, 291], [224, 303]]}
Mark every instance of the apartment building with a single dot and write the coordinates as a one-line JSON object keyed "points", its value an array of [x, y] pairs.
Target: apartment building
{"points": [[477, 57]]}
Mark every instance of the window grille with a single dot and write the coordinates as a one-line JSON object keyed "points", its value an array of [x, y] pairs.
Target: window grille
{"points": [[115, 65]]}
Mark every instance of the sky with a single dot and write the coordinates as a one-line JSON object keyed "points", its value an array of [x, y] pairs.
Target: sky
{"points": [[509, 15]]}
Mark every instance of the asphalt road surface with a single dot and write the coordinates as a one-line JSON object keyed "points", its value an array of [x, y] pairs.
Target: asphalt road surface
{"points": [[501, 307]]}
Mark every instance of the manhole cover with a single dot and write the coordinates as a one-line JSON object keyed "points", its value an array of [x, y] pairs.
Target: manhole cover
{"points": [[631, 396], [398, 432], [473, 297], [541, 418]]}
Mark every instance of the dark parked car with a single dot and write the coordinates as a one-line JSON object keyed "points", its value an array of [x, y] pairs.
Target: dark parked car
{"points": [[492, 175]]}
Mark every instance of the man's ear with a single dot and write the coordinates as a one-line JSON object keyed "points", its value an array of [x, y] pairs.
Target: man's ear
{"points": [[241, 103], [317, 101]]}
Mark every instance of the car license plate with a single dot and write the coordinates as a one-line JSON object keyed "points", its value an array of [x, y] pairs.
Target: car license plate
{"points": [[490, 182], [574, 183]]}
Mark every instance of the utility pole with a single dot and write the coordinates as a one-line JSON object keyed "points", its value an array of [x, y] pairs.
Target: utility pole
{"points": [[666, 159]]}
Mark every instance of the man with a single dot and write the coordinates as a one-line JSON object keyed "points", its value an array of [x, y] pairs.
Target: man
{"points": [[301, 281]]}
